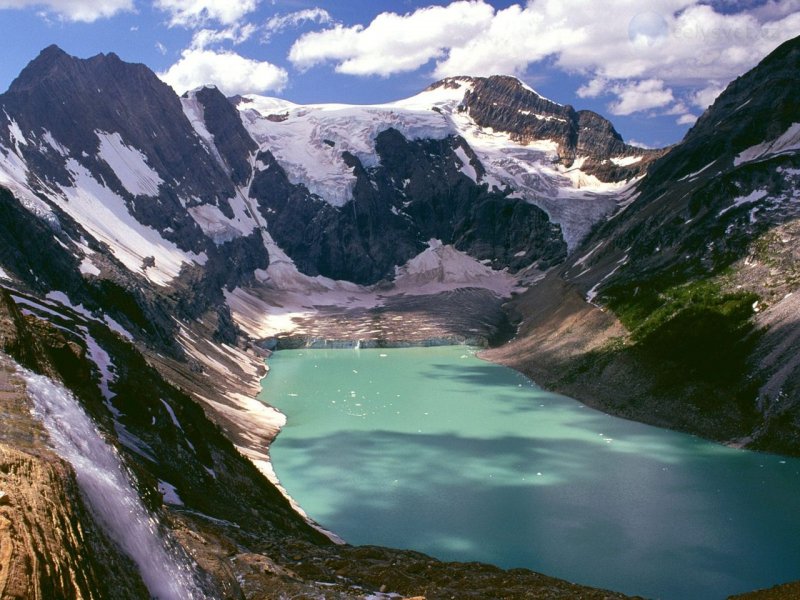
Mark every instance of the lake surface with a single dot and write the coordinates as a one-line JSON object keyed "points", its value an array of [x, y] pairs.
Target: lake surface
{"points": [[436, 450]]}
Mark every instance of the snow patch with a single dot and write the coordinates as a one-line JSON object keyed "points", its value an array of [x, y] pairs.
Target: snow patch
{"points": [[789, 141], [753, 196], [54, 144], [216, 225], [195, 112], [169, 492], [87, 267], [102, 360], [14, 177], [466, 164], [625, 160], [171, 413], [117, 328], [129, 165], [696, 173], [442, 268], [16, 133], [592, 293], [104, 215]]}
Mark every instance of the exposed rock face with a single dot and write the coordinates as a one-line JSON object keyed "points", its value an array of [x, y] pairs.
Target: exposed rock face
{"points": [[230, 138], [416, 193], [504, 104]]}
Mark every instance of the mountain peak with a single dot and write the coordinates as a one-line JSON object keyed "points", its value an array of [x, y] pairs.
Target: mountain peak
{"points": [[491, 81], [53, 50], [39, 68], [54, 64]]}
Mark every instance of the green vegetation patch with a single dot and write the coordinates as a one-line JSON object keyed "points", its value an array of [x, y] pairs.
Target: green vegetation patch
{"points": [[697, 327]]}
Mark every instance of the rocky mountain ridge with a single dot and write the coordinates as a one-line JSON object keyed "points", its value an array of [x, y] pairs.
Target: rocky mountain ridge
{"points": [[700, 272], [502, 103]]}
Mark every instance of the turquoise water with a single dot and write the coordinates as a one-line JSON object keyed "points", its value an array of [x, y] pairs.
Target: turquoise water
{"points": [[435, 450]]}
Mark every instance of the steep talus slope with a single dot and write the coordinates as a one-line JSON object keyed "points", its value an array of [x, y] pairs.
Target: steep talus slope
{"points": [[694, 268]]}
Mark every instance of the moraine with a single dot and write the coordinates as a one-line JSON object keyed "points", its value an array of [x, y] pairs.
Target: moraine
{"points": [[436, 450]]}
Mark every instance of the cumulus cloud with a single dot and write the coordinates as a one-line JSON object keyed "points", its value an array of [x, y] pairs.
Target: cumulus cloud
{"points": [[74, 10], [637, 54], [641, 95], [279, 23], [393, 43], [593, 88], [237, 34], [687, 119], [194, 13], [230, 72], [705, 97]]}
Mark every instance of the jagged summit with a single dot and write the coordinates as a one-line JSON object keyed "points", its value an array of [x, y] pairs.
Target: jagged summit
{"points": [[53, 63], [585, 138], [39, 68], [458, 81]]}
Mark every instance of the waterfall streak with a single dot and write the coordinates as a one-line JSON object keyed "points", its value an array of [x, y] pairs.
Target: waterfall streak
{"points": [[107, 488]]}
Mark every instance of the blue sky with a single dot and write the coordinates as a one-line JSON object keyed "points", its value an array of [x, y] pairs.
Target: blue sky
{"points": [[651, 66]]}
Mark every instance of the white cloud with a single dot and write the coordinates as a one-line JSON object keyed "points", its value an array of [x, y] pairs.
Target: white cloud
{"points": [[393, 43], [278, 23], [513, 38], [593, 88], [230, 72], [74, 10], [679, 108], [687, 119], [194, 13], [642, 95], [620, 46], [639, 144], [705, 97], [237, 34], [162, 49]]}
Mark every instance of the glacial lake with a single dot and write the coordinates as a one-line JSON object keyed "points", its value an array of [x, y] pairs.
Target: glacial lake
{"points": [[435, 450]]}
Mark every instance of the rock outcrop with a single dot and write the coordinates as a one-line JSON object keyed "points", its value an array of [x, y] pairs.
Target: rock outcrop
{"points": [[505, 104]]}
